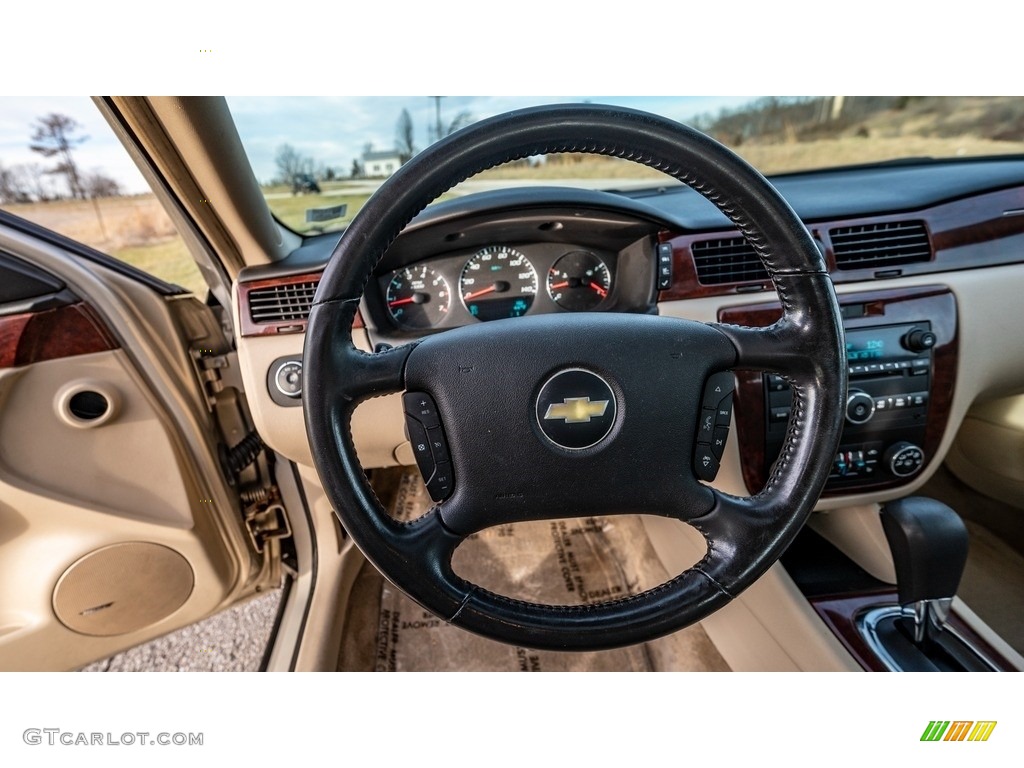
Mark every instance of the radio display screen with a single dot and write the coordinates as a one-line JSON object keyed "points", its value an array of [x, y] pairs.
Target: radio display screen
{"points": [[865, 348], [868, 345]]}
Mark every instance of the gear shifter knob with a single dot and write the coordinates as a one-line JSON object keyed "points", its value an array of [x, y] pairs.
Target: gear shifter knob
{"points": [[929, 549]]}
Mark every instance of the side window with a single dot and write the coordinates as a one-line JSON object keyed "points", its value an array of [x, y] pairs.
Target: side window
{"points": [[62, 167]]}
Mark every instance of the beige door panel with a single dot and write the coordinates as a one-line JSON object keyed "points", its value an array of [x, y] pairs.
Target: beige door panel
{"points": [[121, 462], [77, 494], [116, 523]]}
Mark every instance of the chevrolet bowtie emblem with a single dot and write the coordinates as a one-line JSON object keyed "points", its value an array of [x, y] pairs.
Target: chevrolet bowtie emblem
{"points": [[576, 410]]}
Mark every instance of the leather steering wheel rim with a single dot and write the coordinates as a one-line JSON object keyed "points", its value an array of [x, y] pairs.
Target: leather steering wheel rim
{"points": [[744, 535]]}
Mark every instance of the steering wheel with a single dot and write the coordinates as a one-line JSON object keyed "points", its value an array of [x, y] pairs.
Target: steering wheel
{"points": [[494, 385]]}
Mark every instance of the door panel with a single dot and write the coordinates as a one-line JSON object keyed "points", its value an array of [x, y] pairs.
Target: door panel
{"points": [[116, 523]]}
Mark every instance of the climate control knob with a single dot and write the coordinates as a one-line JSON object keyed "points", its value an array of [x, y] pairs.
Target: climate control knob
{"points": [[860, 407], [904, 459]]}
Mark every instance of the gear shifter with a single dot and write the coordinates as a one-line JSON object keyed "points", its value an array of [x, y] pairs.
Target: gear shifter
{"points": [[929, 549]]}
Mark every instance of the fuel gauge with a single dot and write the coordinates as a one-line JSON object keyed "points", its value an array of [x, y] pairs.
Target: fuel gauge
{"points": [[579, 281]]}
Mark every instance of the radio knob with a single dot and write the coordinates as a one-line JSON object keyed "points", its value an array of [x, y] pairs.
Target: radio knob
{"points": [[860, 407], [904, 459], [919, 340]]}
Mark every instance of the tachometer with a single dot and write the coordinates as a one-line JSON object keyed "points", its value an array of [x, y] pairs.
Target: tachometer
{"points": [[497, 282], [579, 280], [418, 297]]}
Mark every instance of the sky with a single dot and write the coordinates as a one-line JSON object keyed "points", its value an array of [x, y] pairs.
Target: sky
{"points": [[332, 130], [101, 151]]}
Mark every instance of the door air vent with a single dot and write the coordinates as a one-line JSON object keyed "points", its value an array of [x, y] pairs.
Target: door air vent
{"points": [[282, 303], [884, 244], [727, 260]]}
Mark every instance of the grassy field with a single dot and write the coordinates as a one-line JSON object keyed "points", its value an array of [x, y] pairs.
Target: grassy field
{"points": [[134, 229]]}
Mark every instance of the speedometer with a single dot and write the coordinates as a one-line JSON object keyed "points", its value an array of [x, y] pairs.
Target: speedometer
{"points": [[498, 282]]}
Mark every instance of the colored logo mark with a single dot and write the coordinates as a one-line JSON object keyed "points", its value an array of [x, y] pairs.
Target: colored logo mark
{"points": [[958, 730]]}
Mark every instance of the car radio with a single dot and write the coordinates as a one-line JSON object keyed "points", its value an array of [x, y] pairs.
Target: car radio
{"points": [[890, 375]]}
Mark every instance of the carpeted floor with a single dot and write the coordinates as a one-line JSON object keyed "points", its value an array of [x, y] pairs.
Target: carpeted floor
{"points": [[560, 562]]}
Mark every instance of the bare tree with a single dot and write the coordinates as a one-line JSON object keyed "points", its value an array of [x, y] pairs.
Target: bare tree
{"points": [[37, 181], [440, 129], [289, 163], [357, 169], [404, 137], [54, 136], [460, 121], [12, 186], [98, 184]]}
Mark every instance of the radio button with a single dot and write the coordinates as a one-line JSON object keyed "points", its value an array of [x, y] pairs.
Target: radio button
{"points": [[919, 340], [860, 407]]}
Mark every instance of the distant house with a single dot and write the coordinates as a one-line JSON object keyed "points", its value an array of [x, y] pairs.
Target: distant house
{"points": [[382, 163]]}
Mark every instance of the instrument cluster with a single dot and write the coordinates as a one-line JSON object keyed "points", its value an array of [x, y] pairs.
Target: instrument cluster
{"points": [[498, 281]]}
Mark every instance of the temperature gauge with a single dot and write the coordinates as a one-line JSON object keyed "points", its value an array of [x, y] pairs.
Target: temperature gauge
{"points": [[579, 281]]}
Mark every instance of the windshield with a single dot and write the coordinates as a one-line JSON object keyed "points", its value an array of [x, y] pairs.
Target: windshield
{"points": [[319, 159]]}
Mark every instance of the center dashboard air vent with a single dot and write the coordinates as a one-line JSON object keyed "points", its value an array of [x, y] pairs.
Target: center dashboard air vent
{"points": [[881, 244], [291, 302], [727, 260]]}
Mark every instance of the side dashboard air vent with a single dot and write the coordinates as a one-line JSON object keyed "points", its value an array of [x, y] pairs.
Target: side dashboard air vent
{"points": [[726, 260], [282, 303], [885, 244]]}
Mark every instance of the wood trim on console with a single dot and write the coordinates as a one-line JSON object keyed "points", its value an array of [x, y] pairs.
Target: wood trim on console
{"points": [[51, 334], [840, 614], [979, 221], [250, 328], [933, 303]]}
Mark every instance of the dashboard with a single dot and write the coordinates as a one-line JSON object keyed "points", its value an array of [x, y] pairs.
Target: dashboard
{"points": [[924, 257]]}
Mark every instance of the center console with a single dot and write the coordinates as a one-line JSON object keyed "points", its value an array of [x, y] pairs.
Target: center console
{"points": [[901, 360]]}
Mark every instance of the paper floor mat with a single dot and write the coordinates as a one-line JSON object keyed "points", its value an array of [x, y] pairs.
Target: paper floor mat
{"points": [[564, 562]]}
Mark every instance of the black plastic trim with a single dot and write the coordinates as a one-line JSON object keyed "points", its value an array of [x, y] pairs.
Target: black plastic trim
{"points": [[268, 649], [820, 569]]}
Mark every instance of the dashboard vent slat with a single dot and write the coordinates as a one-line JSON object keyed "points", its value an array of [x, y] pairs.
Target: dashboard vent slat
{"points": [[727, 260], [883, 244], [282, 303]]}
